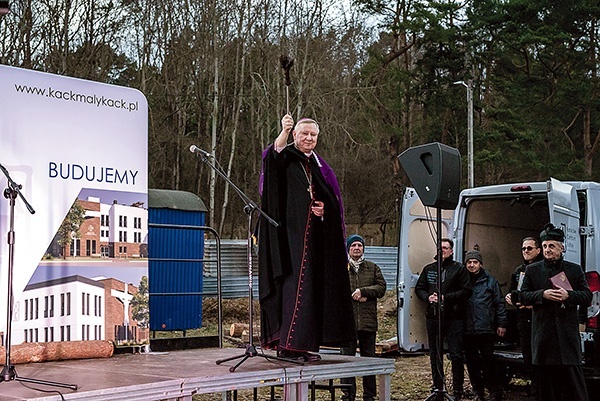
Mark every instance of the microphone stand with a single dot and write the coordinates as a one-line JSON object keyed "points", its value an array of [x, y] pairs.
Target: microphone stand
{"points": [[439, 394], [249, 208], [8, 371]]}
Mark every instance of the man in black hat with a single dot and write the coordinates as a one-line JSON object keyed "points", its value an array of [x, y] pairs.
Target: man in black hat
{"points": [[556, 288]]}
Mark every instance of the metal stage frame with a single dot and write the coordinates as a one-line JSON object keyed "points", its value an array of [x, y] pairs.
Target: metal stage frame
{"points": [[178, 375]]}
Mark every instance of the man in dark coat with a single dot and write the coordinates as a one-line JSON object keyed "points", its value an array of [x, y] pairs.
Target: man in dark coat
{"points": [[531, 250], [367, 285], [303, 276], [456, 290], [486, 319], [556, 344]]}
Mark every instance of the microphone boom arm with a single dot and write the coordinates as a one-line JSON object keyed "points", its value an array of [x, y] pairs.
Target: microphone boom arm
{"points": [[16, 189], [250, 204]]}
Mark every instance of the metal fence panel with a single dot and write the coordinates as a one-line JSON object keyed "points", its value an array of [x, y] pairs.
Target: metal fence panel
{"points": [[234, 267]]}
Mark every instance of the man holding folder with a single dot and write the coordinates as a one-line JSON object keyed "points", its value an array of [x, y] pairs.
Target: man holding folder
{"points": [[556, 288]]}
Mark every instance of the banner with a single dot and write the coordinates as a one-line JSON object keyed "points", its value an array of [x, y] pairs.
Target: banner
{"points": [[66, 140]]}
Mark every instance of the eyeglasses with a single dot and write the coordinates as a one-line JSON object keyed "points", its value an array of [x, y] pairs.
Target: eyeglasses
{"points": [[528, 248]]}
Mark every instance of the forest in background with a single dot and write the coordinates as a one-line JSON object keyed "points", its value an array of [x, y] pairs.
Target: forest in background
{"points": [[379, 76]]}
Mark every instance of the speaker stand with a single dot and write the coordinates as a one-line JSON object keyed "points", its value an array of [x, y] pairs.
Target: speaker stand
{"points": [[439, 394]]}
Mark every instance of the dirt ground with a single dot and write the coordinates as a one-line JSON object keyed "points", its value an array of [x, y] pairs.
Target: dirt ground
{"points": [[410, 382]]}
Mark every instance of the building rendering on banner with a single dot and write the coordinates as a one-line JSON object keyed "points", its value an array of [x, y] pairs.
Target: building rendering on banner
{"points": [[65, 309], [76, 308], [108, 231]]}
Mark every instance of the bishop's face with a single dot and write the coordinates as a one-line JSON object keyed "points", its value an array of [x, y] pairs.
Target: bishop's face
{"points": [[305, 137]]}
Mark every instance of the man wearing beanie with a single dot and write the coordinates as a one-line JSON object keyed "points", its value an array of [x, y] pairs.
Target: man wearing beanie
{"points": [[456, 290], [486, 318], [367, 285], [555, 340]]}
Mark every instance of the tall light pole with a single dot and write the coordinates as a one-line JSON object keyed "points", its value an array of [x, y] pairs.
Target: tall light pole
{"points": [[471, 179]]}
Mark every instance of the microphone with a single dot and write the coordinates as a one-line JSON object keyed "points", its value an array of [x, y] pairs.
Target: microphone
{"points": [[195, 149]]}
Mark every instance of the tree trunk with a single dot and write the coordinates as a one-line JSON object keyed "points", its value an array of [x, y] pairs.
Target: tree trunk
{"points": [[239, 86], [213, 143], [237, 329]]}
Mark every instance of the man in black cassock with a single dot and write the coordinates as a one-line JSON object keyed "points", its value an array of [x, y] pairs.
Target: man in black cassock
{"points": [[304, 289]]}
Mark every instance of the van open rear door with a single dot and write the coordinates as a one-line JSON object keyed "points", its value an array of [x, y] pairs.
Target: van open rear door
{"points": [[564, 213], [416, 249]]}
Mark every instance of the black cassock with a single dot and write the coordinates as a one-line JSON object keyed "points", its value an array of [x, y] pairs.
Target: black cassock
{"points": [[304, 290]]}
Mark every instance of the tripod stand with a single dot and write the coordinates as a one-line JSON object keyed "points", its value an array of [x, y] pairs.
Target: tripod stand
{"points": [[249, 209], [8, 371], [439, 394]]}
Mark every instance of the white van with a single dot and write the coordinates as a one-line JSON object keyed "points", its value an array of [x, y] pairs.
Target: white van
{"points": [[494, 219]]}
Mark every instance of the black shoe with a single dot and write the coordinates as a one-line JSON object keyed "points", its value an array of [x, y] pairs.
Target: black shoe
{"points": [[290, 355], [310, 357]]}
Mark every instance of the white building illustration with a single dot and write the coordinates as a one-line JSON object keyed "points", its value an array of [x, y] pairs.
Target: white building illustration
{"points": [[76, 308], [65, 309]]}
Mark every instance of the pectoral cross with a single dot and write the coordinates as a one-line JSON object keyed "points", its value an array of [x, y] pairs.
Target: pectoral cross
{"points": [[308, 175]]}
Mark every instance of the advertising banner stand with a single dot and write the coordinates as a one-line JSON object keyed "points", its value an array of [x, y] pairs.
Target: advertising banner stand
{"points": [[78, 151], [8, 371]]}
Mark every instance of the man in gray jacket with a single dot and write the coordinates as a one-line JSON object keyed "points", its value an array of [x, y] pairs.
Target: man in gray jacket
{"points": [[367, 284]]}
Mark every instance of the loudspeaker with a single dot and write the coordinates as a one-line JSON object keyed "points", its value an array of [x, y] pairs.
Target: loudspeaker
{"points": [[434, 171]]}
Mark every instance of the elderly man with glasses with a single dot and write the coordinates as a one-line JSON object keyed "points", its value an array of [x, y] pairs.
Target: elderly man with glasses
{"points": [[557, 289]]}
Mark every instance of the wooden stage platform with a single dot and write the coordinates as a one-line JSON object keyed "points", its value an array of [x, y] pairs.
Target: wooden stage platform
{"points": [[178, 375]]}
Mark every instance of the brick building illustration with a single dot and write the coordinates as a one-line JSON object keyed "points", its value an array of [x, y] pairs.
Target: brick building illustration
{"points": [[108, 231]]}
